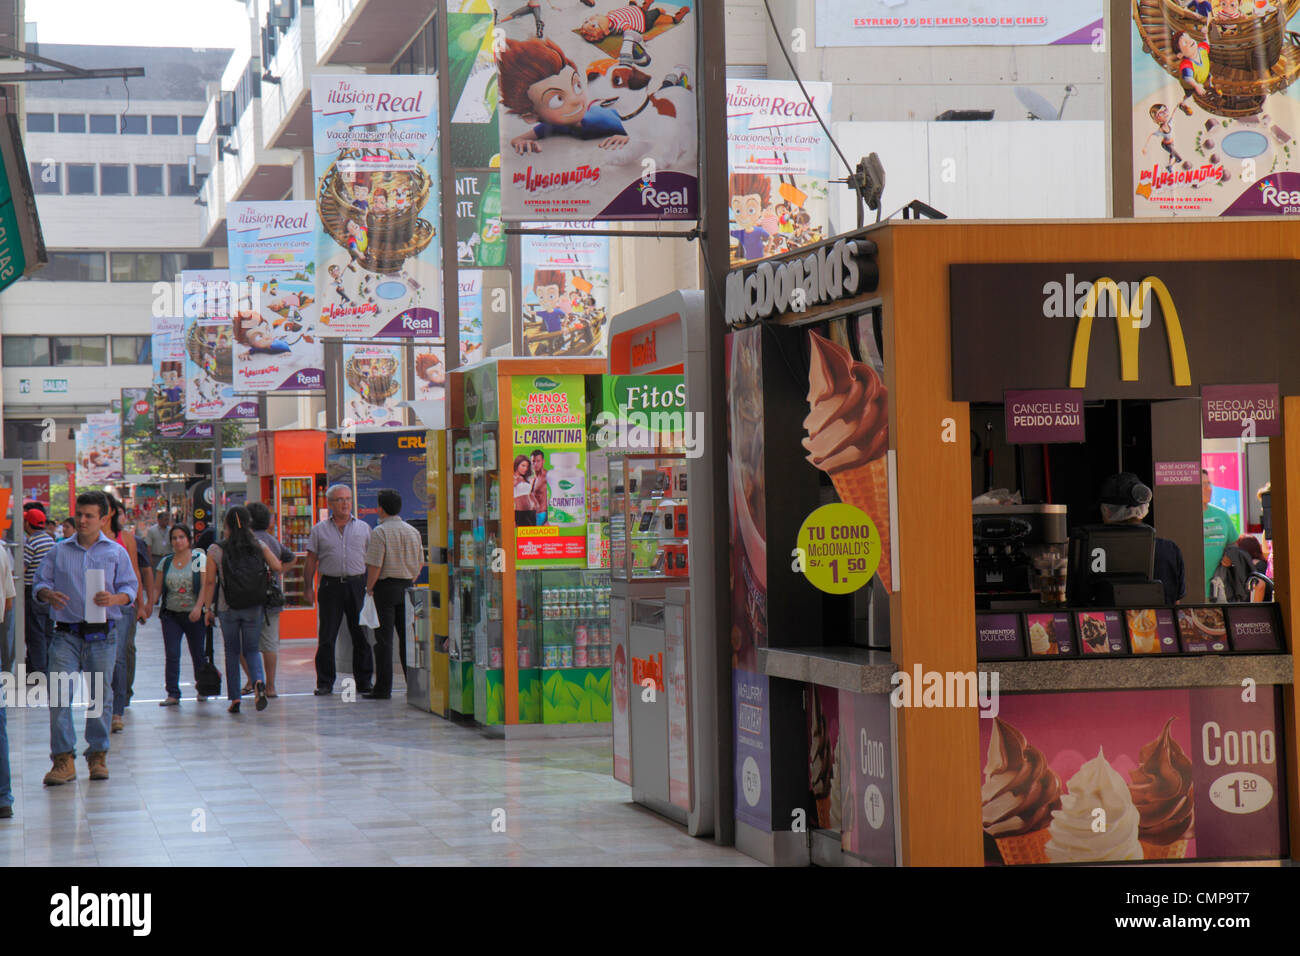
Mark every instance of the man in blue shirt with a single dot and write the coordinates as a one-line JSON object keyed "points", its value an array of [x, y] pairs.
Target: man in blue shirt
{"points": [[80, 647]]}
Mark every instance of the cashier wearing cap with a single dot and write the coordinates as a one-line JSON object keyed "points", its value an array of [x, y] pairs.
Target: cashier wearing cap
{"points": [[37, 615], [1125, 500]]}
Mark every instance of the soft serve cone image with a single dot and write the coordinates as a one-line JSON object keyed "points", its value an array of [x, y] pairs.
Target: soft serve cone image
{"points": [[1162, 792], [848, 434], [1096, 786], [1020, 792]]}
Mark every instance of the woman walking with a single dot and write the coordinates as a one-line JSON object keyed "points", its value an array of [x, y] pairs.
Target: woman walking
{"points": [[270, 640], [179, 582], [240, 562]]}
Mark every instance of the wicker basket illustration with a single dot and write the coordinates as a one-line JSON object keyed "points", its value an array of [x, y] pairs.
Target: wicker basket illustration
{"points": [[393, 235], [373, 378], [210, 349]]}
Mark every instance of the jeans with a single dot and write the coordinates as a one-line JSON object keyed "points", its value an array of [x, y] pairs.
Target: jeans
{"points": [[241, 631], [390, 602], [69, 654], [125, 663], [39, 628], [337, 601], [176, 624], [6, 786]]}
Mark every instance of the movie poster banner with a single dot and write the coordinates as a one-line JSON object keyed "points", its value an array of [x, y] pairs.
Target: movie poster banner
{"points": [[1215, 114], [99, 450], [959, 22], [208, 339], [378, 266], [598, 114], [168, 343], [565, 282], [779, 159], [372, 386], [548, 416], [272, 250]]}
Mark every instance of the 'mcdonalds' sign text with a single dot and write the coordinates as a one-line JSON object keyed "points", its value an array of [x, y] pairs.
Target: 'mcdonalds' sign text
{"points": [[830, 272]]}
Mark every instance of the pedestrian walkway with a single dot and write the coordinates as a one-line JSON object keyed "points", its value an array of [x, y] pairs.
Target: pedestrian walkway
{"points": [[316, 781]]}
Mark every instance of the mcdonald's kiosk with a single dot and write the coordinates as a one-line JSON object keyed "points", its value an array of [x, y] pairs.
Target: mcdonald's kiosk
{"points": [[964, 316]]}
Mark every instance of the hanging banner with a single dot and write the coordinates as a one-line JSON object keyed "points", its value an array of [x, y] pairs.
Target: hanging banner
{"points": [[372, 386], [566, 294], [99, 452], [430, 373], [378, 265], [472, 71], [480, 240], [779, 160], [208, 338], [598, 110], [470, 282], [272, 252], [168, 343], [959, 22], [549, 470], [1214, 110], [137, 415]]}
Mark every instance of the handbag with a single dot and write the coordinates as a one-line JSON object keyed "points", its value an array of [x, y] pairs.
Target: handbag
{"points": [[274, 595], [207, 681]]}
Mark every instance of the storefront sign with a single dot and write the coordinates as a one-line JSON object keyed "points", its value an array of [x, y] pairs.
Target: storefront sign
{"points": [[1056, 325], [548, 470], [378, 265], [1253, 627], [998, 638], [22, 247], [753, 761], [598, 116], [958, 23], [840, 547], [865, 771], [1240, 411], [779, 159], [1180, 774], [54, 385], [815, 277], [1177, 473], [1043, 416], [272, 255]]}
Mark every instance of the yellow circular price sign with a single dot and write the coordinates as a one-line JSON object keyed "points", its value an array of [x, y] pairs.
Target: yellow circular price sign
{"points": [[840, 547]]}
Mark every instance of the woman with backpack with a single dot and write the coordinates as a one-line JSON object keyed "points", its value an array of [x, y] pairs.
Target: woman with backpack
{"points": [[179, 582], [242, 565]]}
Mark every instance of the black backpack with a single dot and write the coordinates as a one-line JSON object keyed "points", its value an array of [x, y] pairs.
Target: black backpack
{"points": [[245, 577]]}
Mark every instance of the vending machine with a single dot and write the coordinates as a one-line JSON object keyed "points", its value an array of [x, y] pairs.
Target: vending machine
{"points": [[291, 464]]}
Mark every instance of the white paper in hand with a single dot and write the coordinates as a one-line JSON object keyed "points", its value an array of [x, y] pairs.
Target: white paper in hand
{"points": [[94, 584]]}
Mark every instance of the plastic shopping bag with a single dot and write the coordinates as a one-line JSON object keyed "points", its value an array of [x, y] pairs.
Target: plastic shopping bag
{"points": [[369, 614]]}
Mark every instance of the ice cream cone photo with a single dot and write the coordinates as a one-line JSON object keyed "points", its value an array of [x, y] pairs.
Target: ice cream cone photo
{"points": [[867, 489], [1026, 848], [1020, 794], [1170, 851]]}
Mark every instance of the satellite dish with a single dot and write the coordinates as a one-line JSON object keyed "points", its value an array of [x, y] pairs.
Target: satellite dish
{"points": [[1038, 106]]}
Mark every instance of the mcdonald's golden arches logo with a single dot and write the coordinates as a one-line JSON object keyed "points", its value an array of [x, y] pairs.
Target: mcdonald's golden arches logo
{"points": [[1128, 326]]}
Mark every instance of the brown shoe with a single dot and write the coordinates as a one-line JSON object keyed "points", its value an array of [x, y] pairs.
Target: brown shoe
{"points": [[118, 725], [98, 762], [63, 771]]}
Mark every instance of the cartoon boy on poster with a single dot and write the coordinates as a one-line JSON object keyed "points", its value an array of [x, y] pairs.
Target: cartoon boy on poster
{"points": [[543, 86]]}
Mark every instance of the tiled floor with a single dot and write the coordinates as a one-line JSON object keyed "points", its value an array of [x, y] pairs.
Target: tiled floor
{"points": [[316, 781]]}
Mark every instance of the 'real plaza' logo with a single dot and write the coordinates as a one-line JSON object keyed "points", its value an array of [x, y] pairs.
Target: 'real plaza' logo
{"points": [[1132, 306]]}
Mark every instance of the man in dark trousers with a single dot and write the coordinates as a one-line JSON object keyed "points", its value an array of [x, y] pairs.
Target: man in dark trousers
{"points": [[394, 559], [38, 544], [337, 548]]}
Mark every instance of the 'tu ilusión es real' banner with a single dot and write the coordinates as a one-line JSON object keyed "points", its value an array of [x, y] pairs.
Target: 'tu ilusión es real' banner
{"points": [[208, 340], [598, 113], [379, 264], [372, 386], [549, 470], [272, 250]]}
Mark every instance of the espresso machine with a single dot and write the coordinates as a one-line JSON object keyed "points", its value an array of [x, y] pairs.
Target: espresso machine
{"points": [[1007, 540]]}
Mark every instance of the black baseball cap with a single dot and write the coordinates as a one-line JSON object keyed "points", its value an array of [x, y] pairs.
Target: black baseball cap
{"points": [[1125, 489]]}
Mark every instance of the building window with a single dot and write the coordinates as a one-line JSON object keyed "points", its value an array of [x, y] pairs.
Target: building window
{"points": [[132, 350], [148, 180], [72, 122], [156, 266], [46, 178], [190, 125], [103, 123], [178, 181], [79, 350], [81, 179], [40, 122], [114, 180], [421, 56], [26, 350], [163, 125], [23, 439], [135, 124], [72, 267]]}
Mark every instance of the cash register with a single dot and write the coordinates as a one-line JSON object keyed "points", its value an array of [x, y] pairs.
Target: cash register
{"points": [[1113, 565]]}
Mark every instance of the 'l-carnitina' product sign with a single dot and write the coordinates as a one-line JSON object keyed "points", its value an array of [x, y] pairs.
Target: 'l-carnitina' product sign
{"points": [[548, 470]]}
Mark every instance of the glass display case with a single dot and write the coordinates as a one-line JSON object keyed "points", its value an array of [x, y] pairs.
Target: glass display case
{"points": [[295, 506], [648, 518], [564, 640]]}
